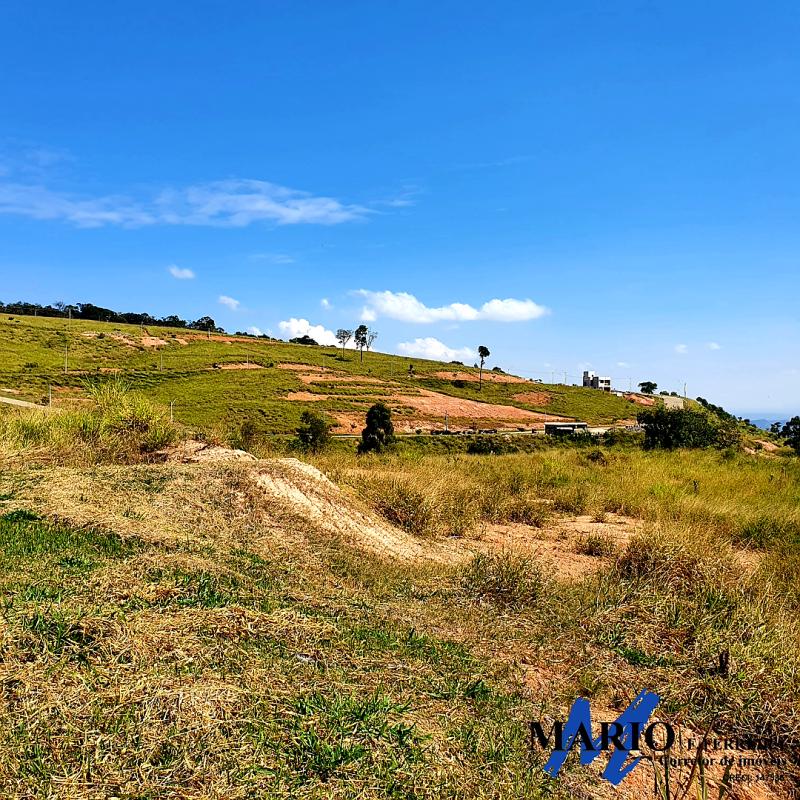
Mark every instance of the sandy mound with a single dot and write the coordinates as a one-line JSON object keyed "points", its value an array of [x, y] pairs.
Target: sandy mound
{"points": [[244, 365], [307, 492], [192, 451], [153, 341]]}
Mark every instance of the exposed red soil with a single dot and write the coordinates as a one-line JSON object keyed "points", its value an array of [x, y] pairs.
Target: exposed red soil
{"points": [[489, 377], [152, 341], [303, 368], [534, 398], [436, 404], [306, 397], [640, 399]]}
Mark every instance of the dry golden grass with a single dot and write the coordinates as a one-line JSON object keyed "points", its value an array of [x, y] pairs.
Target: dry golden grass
{"points": [[238, 629]]}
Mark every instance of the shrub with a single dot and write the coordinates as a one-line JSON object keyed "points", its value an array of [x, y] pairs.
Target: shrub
{"points": [[314, 433], [504, 578], [670, 428], [596, 545], [405, 506]]}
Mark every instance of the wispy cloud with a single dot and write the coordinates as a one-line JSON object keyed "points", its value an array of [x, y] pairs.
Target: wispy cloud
{"points": [[232, 304], [272, 258], [407, 308], [429, 347], [714, 346], [623, 364], [681, 349], [181, 273], [294, 327], [495, 164], [38, 202], [255, 331], [326, 304], [226, 204]]}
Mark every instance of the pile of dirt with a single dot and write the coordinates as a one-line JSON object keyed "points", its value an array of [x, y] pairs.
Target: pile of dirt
{"points": [[240, 365], [192, 450]]}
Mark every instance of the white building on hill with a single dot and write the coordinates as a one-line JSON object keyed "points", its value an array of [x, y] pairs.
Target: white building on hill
{"points": [[592, 381]]}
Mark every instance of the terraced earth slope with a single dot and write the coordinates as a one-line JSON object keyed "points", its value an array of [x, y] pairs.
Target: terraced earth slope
{"points": [[222, 380]]}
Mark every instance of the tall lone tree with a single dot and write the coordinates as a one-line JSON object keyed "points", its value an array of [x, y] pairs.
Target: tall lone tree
{"points": [[371, 337], [360, 338], [483, 353], [343, 336], [648, 387]]}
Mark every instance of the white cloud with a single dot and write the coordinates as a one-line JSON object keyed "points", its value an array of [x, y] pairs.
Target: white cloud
{"points": [[407, 308], [714, 346], [326, 304], [681, 349], [432, 348], [232, 304], [623, 364], [181, 273], [255, 331], [228, 204], [293, 328]]}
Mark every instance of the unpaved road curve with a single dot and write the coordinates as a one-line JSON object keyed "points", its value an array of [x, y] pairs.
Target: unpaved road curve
{"points": [[23, 403]]}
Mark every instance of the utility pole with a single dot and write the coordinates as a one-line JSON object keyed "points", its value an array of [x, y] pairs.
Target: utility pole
{"points": [[66, 342], [565, 378], [162, 362], [171, 415]]}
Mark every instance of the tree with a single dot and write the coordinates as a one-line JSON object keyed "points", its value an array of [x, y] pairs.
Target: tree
{"points": [[379, 430], [371, 337], [203, 324], [314, 432], [483, 354], [304, 339], [670, 428], [791, 433], [343, 336], [360, 338], [648, 387]]}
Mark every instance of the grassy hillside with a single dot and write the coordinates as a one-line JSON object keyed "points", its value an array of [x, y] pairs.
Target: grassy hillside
{"points": [[169, 364]]}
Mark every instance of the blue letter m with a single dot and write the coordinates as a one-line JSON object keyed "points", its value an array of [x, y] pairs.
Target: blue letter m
{"points": [[628, 726]]}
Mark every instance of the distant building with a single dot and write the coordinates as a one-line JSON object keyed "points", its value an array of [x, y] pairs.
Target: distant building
{"points": [[565, 428], [592, 381]]}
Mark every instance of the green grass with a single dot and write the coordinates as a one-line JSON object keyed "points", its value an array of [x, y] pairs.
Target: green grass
{"points": [[33, 350]]}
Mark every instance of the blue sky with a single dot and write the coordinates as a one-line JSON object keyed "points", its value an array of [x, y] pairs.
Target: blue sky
{"points": [[598, 185]]}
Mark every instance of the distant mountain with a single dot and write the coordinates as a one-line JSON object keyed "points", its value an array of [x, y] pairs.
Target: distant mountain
{"points": [[765, 423]]}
